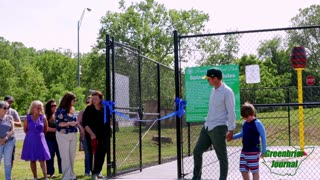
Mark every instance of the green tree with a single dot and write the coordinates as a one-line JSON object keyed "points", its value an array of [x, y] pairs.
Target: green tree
{"points": [[31, 87], [276, 52], [218, 50], [7, 77], [6, 51], [265, 92], [93, 71], [150, 25], [29, 75], [309, 38], [57, 68]]}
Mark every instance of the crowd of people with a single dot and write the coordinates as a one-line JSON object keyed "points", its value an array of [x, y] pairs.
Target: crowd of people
{"points": [[51, 131]]}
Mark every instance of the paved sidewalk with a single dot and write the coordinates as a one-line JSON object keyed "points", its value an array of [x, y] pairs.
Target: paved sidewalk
{"points": [[158, 172], [307, 169]]}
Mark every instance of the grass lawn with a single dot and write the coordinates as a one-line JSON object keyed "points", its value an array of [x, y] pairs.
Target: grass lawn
{"points": [[21, 169]]}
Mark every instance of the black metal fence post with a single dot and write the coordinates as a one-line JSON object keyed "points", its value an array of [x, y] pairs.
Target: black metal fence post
{"points": [[108, 98], [113, 98], [189, 139], [140, 107], [158, 110], [289, 122], [177, 88]]}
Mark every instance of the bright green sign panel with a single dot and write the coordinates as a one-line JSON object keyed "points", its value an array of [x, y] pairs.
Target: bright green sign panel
{"points": [[198, 90]]}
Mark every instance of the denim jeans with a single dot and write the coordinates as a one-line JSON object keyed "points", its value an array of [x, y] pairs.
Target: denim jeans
{"points": [[6, 150], [87, 164], [54, 150]]}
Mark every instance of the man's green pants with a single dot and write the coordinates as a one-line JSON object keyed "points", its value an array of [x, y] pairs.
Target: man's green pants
{"points": [[217, 138]]}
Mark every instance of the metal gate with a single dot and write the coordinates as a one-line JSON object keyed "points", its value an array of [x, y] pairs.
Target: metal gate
{"points": [[277, 107]]}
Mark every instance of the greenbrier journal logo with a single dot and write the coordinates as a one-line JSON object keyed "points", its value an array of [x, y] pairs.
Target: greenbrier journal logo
{"points": [[286, 162], [288, 154]]}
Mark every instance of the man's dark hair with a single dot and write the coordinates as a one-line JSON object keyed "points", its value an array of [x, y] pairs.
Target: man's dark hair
{"points": [[8, 98]]}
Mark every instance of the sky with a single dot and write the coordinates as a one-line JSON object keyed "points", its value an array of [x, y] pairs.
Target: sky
{"points": [[48, 24]]}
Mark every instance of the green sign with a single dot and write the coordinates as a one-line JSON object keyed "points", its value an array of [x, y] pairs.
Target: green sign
{"points": [[198, 90]]}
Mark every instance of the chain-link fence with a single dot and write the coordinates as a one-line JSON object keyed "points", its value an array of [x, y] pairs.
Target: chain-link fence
{"points": [[289, 129], [142, 90], [145, 90]]}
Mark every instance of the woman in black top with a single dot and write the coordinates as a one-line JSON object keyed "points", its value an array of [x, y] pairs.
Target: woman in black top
{"points": [[50, 110], [96, 129]]}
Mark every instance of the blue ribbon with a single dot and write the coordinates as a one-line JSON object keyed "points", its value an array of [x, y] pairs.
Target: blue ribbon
{"points": [[180, 103], [110, 105]]}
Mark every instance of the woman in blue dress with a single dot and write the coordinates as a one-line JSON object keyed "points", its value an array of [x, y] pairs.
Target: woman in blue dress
{"points": [[35, 147]]}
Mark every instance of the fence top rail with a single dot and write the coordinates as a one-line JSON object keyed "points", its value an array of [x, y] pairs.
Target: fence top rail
{"points": [[157, 62], [248, 31], [128, 48], [128, 108], [286, 104], [287, 87], [125, 45]]}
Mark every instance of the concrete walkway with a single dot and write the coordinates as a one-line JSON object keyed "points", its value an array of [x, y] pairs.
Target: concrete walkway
{"points": [[158, 172], [308, 167]]}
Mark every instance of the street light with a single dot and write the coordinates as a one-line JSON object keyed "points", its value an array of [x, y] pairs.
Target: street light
{"points": [[79, 24]]}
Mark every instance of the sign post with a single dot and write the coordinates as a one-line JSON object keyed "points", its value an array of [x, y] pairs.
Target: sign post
{"points": [[298, 58]]}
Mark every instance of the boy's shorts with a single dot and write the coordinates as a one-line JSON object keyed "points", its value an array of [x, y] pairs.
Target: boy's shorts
{"points": [[249, 161]]}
